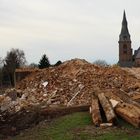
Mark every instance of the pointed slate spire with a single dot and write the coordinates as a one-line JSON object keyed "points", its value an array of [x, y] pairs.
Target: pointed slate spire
{"points": [[124, 35]]}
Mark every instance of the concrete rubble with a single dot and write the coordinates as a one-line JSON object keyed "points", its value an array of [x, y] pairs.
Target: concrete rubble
{"points": [[70, 84]]}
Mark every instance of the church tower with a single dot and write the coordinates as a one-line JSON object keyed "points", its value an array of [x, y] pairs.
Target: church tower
{"points": [[125, 50]]}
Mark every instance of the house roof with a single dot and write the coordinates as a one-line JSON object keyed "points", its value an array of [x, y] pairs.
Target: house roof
{"points": [[138, 54]]}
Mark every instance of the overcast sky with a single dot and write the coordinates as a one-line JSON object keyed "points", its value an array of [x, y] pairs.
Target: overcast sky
{"points": [[66, 29]]}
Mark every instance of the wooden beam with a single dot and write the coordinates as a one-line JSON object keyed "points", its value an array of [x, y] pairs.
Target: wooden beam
{"points": [[107, 107], [95, 112]]}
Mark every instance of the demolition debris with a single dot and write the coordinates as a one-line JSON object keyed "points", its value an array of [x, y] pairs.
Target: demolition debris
{"points": [[74, 83]]}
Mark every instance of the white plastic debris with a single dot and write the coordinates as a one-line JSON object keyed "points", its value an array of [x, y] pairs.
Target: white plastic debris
{"points": [[24, 96], [45, 84]]}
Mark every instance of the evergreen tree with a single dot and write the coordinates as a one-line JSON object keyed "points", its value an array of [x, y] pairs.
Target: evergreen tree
{"points": [[44, 62], [58, 63]]}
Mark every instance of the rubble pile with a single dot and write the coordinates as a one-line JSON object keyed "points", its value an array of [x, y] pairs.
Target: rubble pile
{"points": [[134, 71], [71, 83], [69, 87]]}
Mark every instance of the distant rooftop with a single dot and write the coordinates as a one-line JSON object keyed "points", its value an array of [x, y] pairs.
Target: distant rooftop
{"points": [[138, 54], [27, 70]]}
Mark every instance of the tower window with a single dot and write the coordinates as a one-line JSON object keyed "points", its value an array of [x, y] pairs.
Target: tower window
{"points": [[124, 49], [124, 37]]}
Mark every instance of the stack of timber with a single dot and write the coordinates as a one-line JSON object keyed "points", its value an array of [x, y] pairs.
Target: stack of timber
{"points": [[107, 107], [129, 111]]}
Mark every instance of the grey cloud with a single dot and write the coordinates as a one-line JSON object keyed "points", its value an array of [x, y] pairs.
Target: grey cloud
{"points": [[62, 28]]}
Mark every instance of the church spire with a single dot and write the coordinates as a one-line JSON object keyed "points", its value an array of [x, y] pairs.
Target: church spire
{"points": [[125, 49], [124, 35]]}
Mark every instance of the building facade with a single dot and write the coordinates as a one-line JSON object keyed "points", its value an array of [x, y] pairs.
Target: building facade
{"points": [[126, 56]]}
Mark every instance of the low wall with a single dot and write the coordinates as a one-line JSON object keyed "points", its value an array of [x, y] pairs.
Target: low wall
{"points": [[20, 74]]}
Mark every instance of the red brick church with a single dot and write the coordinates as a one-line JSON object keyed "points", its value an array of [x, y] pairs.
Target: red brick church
{"points": [[126, 56]]}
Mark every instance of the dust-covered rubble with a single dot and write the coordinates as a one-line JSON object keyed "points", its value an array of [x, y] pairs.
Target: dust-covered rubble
{"points": [[71, 83]]}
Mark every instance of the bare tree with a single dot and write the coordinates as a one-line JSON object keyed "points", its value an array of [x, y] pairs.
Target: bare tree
{"points": [[1, 61], [1, 73], [100, 62], [33, 65], [15, 59]]}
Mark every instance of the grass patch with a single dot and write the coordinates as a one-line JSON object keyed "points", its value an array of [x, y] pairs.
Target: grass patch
{"points": [[118, 136], [61, 128], [78, 126]]}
